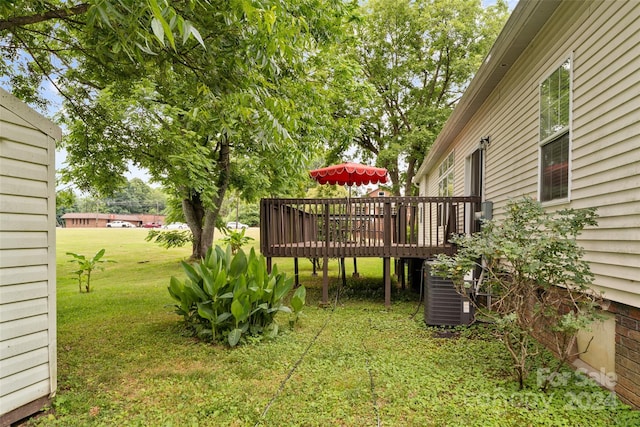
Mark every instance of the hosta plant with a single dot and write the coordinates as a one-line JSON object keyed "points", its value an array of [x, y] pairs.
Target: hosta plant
{"points": [[230, 296]]}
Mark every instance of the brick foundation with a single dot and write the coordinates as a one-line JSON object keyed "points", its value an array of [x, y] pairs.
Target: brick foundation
{"points": [[627, 359], [627, 353]]}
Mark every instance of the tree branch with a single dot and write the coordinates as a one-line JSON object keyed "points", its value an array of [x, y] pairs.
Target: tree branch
{"points": [[21, 21]]}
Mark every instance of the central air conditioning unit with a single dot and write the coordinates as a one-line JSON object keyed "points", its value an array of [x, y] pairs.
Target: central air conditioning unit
{"points": [[443, 305]]}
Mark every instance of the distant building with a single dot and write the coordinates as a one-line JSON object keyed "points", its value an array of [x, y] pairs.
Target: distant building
{"points": [[377, 193], [98, 220]]}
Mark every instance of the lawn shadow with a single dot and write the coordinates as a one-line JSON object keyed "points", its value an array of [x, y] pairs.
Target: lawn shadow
{"points": [[370, 289]]}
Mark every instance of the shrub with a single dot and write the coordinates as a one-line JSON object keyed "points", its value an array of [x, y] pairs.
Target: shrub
{"points": [[235, 239], [532, 266], [230, 297]]}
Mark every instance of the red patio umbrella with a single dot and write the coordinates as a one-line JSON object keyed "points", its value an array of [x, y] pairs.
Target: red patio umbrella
{"points": [[350, 174]]}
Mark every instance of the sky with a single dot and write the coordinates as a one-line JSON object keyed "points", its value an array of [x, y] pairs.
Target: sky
{"points": [[511, 3]]}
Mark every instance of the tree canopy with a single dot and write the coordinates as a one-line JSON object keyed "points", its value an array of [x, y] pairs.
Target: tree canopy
{"points": [[205, 95], [419, 55], [216, 95]]}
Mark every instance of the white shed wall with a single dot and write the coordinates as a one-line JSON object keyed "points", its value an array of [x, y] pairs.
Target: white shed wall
{"points": [[27, 255]]}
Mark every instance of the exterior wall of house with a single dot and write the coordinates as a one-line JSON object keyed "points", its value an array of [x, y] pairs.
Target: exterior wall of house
{"points": [[27, 259], [603, 40], [605, 133]]}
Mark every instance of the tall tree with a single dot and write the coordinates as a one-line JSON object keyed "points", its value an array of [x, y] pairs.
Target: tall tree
{"points": [[244, 100], [66, 201], [136, 197], [419, 55]]}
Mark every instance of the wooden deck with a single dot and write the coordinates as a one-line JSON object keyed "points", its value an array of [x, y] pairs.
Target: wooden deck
{"points": [[384, 227]]}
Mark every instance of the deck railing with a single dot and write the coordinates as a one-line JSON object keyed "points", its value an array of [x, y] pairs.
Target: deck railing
{"points": [[402, 227]]}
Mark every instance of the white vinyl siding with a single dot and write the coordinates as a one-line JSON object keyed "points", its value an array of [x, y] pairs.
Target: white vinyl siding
{"points": [[27, 255], [603, 41]]}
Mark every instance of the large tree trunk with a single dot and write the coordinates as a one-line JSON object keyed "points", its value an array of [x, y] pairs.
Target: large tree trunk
{"points": [[409, 188], [201, 219], [194, 213]]}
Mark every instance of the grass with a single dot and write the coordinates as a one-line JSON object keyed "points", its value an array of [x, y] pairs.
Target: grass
{"points": [[123, 358]]}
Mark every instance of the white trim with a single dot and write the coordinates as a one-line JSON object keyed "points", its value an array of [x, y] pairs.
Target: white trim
{"points": [[51, 243], [467, 181], [467, 171], [467, 174], [451, 170]]}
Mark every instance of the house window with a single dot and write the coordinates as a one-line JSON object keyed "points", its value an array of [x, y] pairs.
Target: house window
{"points": [[445, 177], [555, 102]]}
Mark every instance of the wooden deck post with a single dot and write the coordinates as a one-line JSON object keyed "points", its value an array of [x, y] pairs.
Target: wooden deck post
{"points": [[386, 271], [325, 267], [296, 280], [387, 251], [325, 281]]}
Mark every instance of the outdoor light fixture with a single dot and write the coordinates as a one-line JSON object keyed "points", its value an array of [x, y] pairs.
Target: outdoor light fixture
{"points": [[484, 142]]}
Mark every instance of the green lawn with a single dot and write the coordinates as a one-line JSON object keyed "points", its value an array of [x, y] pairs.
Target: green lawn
{"points": [[124, 360]]}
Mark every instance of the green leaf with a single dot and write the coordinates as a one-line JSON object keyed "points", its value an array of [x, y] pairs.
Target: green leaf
{"points": [[234, 336], [197, 291], [191, 272], [221, 280], [298, 299], [208, 281], [239, 285], [221, 257], [176, 289], [281, 288], [222, 317], [238, 311], [98, 255], [166, 29], [158, 30], [206, 311], [238, 264], [211, 259], [196, 34]]}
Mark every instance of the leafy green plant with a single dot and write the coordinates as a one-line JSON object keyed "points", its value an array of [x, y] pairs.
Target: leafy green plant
{"points": [[169, 238], [532, 266], [229, 296], [86, 267], [235, 239]]}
